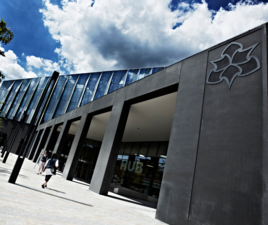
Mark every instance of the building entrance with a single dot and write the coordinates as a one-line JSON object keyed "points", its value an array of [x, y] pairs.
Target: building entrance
{"points": [[87, 161]]}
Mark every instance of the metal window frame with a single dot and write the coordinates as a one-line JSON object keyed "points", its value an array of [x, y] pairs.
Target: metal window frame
{"points": [[38, 99], [15, 110], [83, 92], [60, 95], [8, 93], [109, 84], [96, 88], [12, 100], [27, 104], [48, 100], [74, 87]]}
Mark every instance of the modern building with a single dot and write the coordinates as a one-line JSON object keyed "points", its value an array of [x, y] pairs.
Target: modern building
{"points": [[191, 137]]}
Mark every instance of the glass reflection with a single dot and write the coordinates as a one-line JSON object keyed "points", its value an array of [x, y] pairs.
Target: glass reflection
{"points": [[140, 167], [18, 99], [103, 84], [27, 98], [118, 80], [64, 100], [4, 91], [37, 95], [55, 98], [11, 97], [90, 89], [132, 76], [78, 92], [145, 73]]}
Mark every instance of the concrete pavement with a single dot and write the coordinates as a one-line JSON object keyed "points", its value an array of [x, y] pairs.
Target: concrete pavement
{"points": [[64, 202]]}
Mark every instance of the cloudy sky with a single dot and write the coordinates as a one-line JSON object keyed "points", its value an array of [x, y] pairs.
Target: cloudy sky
{"points": [[76, 36]]}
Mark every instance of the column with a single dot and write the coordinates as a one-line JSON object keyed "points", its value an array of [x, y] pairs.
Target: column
{"points": [[36, 142], [62, 137], [103, 172], [51, 135], [41, 144], [77, 146]]}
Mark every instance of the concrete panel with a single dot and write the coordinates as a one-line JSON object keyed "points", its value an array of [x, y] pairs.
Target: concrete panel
{"points": [[175, 194], [228, 177], [77, 147], [160, 80], [62, 137], [103, 172]]}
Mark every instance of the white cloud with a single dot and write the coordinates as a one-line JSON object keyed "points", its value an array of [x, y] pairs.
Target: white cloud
{"points": [[123, 34], [11, 69], [33, 61], [44, 65]]}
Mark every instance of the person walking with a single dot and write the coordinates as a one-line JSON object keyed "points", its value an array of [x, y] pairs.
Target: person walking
{"points": [[50, 168], [44, 158]]}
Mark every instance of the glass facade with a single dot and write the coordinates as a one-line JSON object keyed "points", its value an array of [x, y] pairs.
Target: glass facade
{"points": [[37, 95], [78, 92], [27, 98], [140, 166], [65, 98], [71, 91], [132, 76], [90, 89], [9, 101], [17, 101], [118, 80], [4, 91], [55, 98], [103, 84]]}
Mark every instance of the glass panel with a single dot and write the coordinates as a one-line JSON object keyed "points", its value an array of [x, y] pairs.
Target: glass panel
{"points": [[54, 98], [118, 80], [103, 84], [27, 98], [10, 98], [143, 172], [4, 91], [44, 102], [35, 100], [90, 89], [162, 151], [144, 73], [132, 76], [64, 100], [78, 92], [157, 69], [18, 99]]}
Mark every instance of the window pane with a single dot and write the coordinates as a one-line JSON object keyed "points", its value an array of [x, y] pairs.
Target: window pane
{"points": [[144, 73], [27, 98], [118, 80], [90, 89], [63, 104], [11, 97], [78, 92], [18, 99], [132, 76], [55, 98], [103, 84]]}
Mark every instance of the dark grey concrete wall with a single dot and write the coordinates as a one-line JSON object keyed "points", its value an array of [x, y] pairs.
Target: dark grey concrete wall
{"points": [[8, 125], [228, 176], [175, 194], [215, 168]]}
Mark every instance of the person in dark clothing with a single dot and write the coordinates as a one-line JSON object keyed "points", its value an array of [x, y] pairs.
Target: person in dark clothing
{"points": [[50, 168]]}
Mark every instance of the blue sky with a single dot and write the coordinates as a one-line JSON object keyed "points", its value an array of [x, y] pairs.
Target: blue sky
{"points": [[79, 36]]}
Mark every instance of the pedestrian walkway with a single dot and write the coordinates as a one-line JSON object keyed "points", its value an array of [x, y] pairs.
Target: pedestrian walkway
{"points": [[64, 202]]}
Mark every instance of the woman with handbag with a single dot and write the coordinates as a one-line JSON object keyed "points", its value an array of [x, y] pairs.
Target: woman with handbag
{"points": [[50, 168]]}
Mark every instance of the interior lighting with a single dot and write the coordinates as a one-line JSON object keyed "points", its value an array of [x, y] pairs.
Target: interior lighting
{"points": [[163, 156], [150, 166]]}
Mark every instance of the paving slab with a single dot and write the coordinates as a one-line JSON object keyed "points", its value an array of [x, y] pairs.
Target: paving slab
{"points": [[63, 202]]}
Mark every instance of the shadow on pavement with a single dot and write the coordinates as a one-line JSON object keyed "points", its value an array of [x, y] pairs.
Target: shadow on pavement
{"points": [[54, 195], [137, 202]]}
